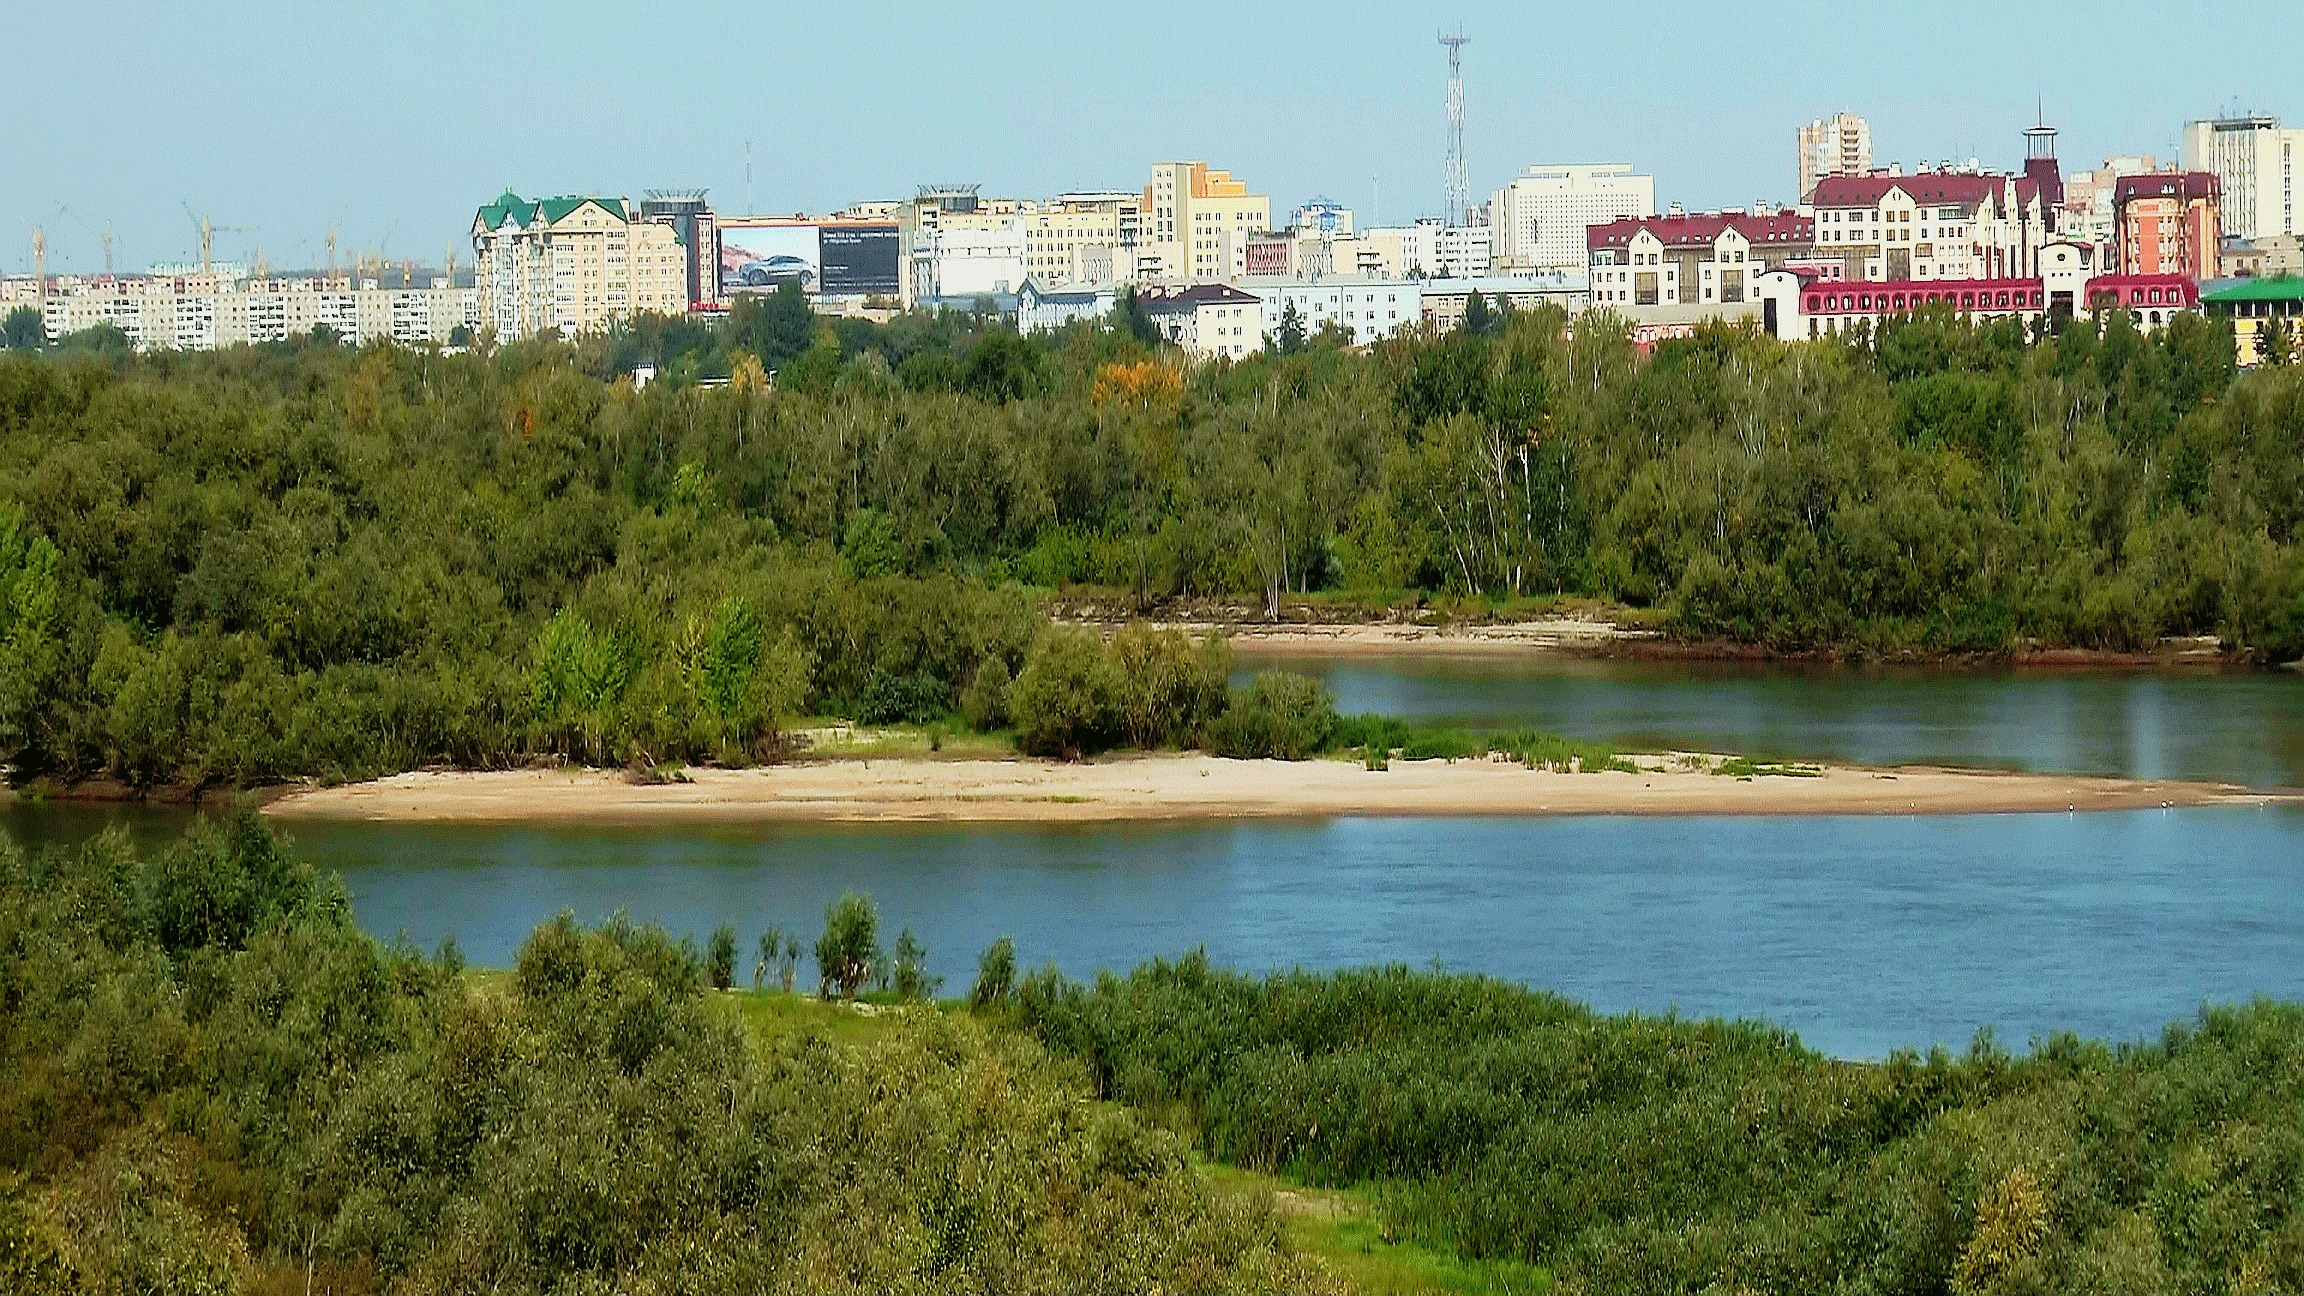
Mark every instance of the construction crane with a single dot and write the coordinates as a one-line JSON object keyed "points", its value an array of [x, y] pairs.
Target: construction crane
{"points": [[40, 260], [208, 230], [103, 236]]}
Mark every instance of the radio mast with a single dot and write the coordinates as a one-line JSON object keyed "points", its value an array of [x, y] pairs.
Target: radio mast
{"points": [[1457, 202]]}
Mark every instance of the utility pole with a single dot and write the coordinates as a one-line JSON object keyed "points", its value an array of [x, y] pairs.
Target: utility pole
{"points": [[1458, 179]]}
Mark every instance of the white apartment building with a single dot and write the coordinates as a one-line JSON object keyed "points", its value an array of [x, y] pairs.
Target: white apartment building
{"points": [[1538, 220], [1207, 320], [1432, 250], [1837, 145], [1931, 225], [1041, 307], [574, 263], [2088, 216], [2257, 163], [1197, 223], [1366, 310], [1707, 259], [177, 313], [977, 254]]}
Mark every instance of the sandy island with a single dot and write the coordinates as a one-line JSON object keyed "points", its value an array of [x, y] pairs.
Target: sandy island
{"points": [[1198, 786]]}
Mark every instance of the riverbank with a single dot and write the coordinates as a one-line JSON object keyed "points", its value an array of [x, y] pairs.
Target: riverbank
{"points": [[1184, 786]]}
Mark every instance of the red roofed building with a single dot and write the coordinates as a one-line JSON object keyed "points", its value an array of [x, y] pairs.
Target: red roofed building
{"points": [[1799, 307], [1886, 227], [2167, 223], [1709, 258]]}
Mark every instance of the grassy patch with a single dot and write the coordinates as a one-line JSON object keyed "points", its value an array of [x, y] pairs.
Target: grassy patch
{"points": [[1374, 738], [1745, 767], [1344, 1231], [835, 739]]}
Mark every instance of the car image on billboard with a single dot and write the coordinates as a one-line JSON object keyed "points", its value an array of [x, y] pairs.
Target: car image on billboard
{"points": [[762, 255]]}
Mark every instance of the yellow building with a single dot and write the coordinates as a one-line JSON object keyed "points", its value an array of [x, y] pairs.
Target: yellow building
{"points": [[1197, 222], [1082, 238], [574, 264]]}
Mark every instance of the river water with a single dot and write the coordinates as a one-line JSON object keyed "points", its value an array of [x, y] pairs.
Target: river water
{"points": [[1864, 934]]}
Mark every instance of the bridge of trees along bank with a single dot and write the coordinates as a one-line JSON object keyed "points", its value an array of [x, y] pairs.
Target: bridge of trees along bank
{"points": [[303, 559]]}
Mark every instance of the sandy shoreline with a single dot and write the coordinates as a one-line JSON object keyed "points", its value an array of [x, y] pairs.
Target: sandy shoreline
{"points": [[1386, 637], [1198, 786]]}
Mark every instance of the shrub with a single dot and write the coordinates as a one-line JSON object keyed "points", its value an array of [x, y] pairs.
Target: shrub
{"points": [[909, 969], [985, 702], [995, 975], [720, 957], [902, 699], [1063, 699], [1282, 715], [849, 947], [1168, 687]]}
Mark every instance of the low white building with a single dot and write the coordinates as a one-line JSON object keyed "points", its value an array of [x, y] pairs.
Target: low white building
{"points": [[1207, 320], [983, 257], [1366, 310], [1042, 306], [1445, 300]]}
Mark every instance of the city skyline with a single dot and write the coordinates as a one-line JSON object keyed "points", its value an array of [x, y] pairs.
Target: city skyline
{"points": [[396, 123]]}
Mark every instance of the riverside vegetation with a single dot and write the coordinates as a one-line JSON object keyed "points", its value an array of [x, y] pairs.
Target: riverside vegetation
{"points": [[211, 1082], [302, 560]]}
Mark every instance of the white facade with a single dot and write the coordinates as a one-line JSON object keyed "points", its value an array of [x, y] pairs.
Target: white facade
{"points": [[1208, 321], [1930, 225], [1366, 310], [1041, 306], [165, 313], [1837, 145], [1429, 249], [977, 256], [1539, 218], [2256, 161]]}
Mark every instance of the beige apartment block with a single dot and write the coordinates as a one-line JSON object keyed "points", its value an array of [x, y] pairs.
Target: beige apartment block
{"points": [[1197, 223], [575, 264]]}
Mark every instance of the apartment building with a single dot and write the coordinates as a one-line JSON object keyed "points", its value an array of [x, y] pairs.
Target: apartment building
{"points": [[195, 313], [1708, 258], [2065, 284], [1430, 249], [1197, 223], [2256, 162], [2263, 258], [2167, 223], [959, 245], [1364, 310], [1933, 224], [1207, 320], [574, 263], [1085, 238], [1837, 145], [1538, 220], [2087, 216]]}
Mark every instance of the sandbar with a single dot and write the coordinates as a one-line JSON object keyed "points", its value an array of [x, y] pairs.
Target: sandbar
{"points": [[1191, 785]]}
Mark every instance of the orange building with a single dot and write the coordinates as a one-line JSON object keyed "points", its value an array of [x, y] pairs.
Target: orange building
{"points": [[2166, 223]]}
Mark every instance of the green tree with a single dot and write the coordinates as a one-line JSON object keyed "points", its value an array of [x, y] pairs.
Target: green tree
{"points": [[995, 975], [1289, 337], [720, 957], [23, 330], [1477, 317], [870, 545], [909, 976], [849, 949], [1063, 701]]}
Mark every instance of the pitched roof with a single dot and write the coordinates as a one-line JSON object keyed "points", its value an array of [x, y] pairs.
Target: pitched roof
{"points": [[509, 205], [1926, 187], [2277, 288], [1195, 296], [2164, 184], [1703, 229]]}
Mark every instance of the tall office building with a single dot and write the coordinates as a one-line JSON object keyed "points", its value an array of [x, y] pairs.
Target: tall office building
{"points": [[1837, 145], [2255, 161], [693, 224], [1197, 222], [1540, 217]]}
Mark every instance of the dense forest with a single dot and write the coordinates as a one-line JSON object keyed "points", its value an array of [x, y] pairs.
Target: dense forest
{"points": [[309, 560], [212, 1083], [1656, 1155]]}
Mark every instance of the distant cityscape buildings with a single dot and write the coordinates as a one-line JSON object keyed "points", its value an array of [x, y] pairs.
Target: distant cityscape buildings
{"points": [[1833, 146], [1216, 273]]}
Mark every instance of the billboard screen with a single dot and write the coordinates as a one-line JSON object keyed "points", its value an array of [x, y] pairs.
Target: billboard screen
{"points": [[760, 254], [859, 260]]}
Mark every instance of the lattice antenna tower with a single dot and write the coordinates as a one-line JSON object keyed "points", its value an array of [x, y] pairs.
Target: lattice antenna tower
{"points": [[1457, 202]]}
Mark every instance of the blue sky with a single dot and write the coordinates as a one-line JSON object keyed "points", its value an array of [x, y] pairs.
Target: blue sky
{"points": [[396, 120]]}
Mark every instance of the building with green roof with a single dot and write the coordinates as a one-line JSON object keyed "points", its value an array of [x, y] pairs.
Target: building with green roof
{"points": [[574, 263], [2255, 306]]}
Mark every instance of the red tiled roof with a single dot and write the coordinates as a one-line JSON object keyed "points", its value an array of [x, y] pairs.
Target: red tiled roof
{"points": [[1703, 229], [2163, 184], [1927, 187]]}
